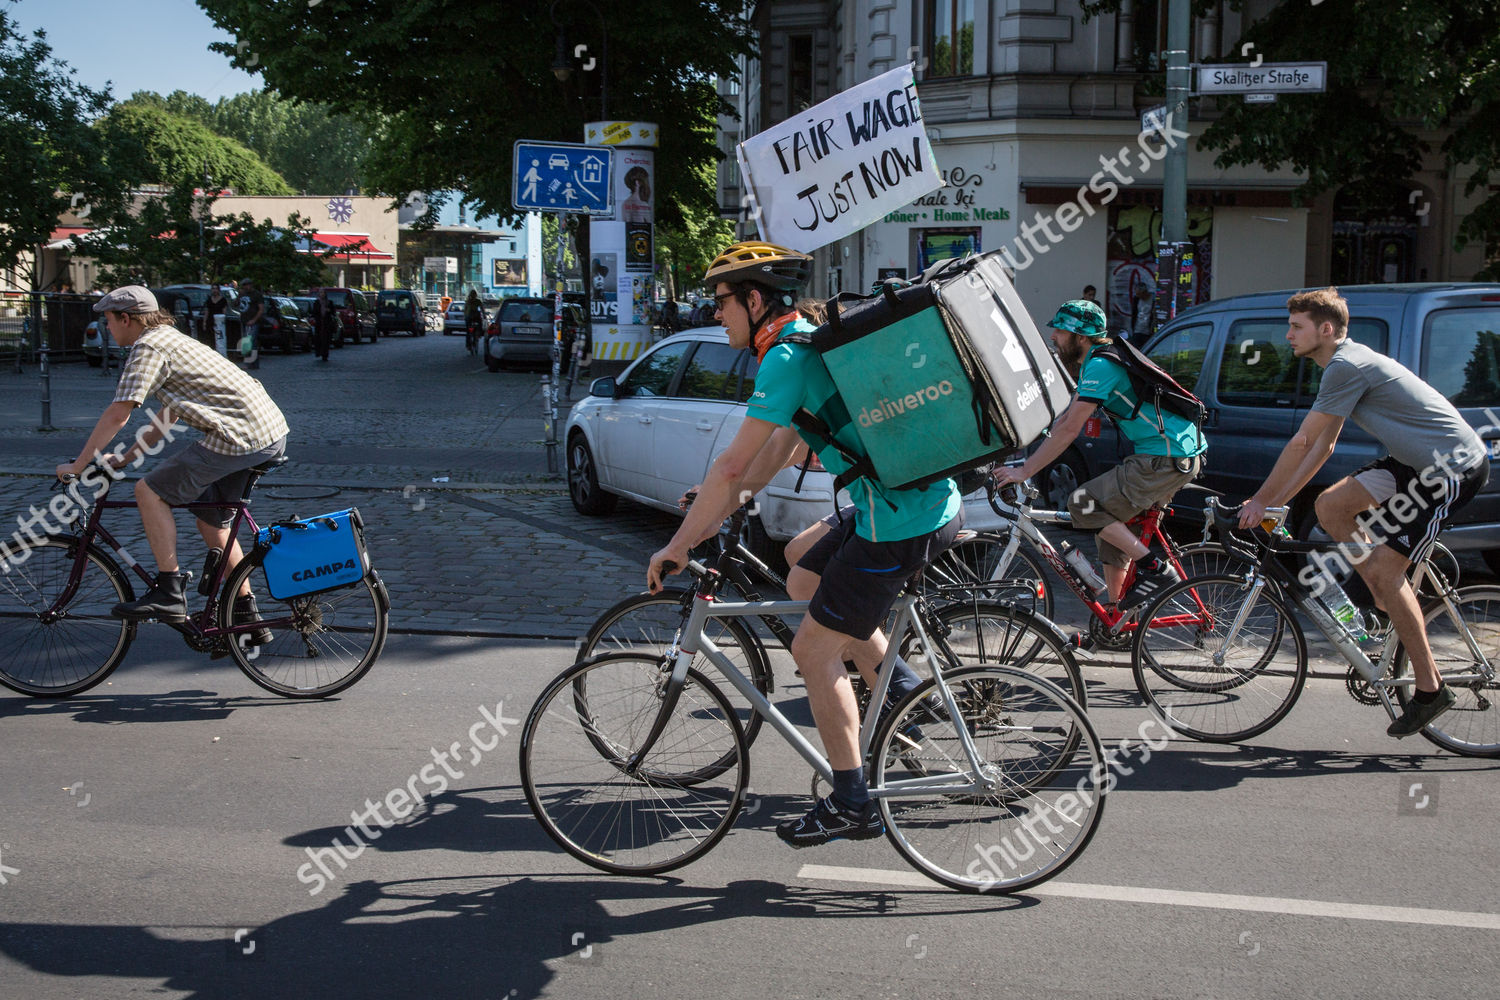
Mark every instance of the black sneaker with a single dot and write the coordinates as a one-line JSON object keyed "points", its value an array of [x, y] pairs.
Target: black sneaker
{"points": [[827, 821], [1416, 715], [1148, 584]]}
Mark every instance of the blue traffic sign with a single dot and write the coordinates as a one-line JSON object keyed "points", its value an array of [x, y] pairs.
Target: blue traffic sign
{"points": [[562, 177]]}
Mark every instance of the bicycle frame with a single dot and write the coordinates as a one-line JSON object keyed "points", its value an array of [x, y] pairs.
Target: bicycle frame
{"points": [[1266, 568], [693, 641], [198, 628]]}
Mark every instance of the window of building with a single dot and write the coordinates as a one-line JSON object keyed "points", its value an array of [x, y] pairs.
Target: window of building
{"points": [[949, 31], [934, 245], [799, 72]]}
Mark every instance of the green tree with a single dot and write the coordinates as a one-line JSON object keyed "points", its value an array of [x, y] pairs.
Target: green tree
{"points": [[446, 86], [686, 248], [1395, 73], [51, 158], [315, 150], [152, 145]]}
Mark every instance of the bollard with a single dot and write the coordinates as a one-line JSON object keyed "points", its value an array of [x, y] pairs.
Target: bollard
{"points": [[46, 390], [549, 421]]}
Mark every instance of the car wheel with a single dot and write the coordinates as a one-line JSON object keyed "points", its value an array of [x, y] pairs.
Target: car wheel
{"points": [[1060, 479], [583, 480]]}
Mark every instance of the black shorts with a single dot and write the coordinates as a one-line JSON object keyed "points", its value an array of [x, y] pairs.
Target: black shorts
{"points": [[1412, 508], [860, 579]]}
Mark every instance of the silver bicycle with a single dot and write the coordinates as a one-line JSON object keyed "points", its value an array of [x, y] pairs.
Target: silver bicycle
{"points": [[988, 778]]}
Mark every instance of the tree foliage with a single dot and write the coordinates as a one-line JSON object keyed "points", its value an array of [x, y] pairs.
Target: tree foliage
{"points": [[1396, 74], [447, 86], [51, 158], [314, 150], [152, 145]]}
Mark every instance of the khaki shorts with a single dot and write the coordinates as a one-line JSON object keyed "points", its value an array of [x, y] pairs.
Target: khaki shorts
{"points": [[1124, 491]]}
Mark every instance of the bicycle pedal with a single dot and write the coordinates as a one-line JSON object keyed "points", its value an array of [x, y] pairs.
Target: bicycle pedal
{"points": [[1080, 640]]}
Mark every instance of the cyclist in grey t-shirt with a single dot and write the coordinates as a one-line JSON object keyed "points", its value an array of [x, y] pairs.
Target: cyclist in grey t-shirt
{"points": [[1399, 503]]}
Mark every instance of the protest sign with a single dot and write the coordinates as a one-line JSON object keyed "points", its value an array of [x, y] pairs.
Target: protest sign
{"points": [[841, 165]]}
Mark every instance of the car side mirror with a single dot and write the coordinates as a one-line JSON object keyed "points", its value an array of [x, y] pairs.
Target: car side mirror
{"points": [[603, 387]]}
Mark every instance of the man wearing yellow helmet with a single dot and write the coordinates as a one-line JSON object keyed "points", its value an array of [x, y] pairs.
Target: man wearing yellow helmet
{"points": [[852, 574]]}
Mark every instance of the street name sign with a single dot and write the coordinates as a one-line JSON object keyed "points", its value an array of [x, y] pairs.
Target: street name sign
{"points": [[1267, 78], [562, 177]]}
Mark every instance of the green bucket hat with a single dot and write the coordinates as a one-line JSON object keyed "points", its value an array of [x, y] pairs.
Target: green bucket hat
{"points": [[1080, 316]]}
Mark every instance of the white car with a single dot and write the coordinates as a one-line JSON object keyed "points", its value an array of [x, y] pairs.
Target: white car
{"points": [[652, 433]]}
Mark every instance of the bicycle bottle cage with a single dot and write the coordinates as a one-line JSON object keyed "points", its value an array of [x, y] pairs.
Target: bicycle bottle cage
{"points": [[306, 556]]}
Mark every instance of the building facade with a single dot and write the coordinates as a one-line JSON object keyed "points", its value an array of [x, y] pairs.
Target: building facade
{"points": [[496, 259], [1034, 116]]}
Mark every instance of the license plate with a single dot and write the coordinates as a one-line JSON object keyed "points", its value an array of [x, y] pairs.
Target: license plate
{"points": [[527, 331], [1494, 444]]}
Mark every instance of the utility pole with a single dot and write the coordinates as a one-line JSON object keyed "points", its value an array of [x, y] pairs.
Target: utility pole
{"points": [[1179, 83]]}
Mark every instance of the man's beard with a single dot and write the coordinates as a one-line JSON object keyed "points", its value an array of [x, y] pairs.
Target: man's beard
{"points": [[1071, 353]]}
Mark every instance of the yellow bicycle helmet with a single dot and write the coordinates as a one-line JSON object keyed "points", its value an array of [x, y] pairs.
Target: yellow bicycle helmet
{"points": [[763, 263]]}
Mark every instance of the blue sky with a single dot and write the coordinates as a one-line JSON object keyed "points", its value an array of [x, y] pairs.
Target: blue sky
{"points": [[159, 45]]}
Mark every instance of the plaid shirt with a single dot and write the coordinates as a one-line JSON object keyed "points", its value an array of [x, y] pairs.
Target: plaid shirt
{"points": [[203, 389]]}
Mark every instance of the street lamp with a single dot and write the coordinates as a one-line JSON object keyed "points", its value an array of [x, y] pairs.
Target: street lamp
{"points": [[562, 63]]}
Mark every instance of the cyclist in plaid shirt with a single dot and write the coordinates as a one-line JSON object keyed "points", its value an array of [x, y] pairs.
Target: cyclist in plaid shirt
{"points": [[241, 427]]}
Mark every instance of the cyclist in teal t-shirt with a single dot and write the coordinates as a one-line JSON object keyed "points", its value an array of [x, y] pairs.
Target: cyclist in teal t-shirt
{"points": [[852, 574], [1168, 454]]}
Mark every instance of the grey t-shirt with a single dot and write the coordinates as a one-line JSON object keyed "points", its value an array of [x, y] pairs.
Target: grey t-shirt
{"points": [[1410, 418]]}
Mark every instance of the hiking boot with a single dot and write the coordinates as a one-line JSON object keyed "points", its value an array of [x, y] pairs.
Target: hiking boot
{"points": [[1416, 715], [165, 601], [829, 821], [1147, 584], [246, 613]]}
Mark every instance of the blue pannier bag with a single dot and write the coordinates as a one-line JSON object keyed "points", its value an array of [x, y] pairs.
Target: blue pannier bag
{"points": [[305, 556]]}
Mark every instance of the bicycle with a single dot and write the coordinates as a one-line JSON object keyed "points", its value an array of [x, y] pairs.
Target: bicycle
{"points": [[61, 639], [979, 630], [635, 762], [1232, 665], [1109, 627]]}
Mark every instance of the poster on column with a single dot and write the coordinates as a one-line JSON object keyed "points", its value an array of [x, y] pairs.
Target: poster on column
{"points": [[840, 165], [606, 276], [634, 174]]}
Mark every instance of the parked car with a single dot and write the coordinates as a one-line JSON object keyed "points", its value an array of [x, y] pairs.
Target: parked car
{"points": [[93, 345], [652, 433], [285, 327], [355, 311], [397, 309], [522, 331], [1233, 354], [453, 319], [305, 305]]}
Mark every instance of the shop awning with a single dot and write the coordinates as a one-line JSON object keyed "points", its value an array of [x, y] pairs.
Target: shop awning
{"points": [[62, 237], [352, 247]]}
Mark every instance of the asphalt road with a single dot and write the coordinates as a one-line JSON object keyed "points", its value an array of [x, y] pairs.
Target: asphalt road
{"points": [[153, 829]]}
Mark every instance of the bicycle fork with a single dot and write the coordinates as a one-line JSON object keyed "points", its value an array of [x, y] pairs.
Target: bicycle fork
{"points": [[1257, 584]]}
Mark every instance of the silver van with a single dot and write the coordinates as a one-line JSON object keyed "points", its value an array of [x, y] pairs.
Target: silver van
{"points": [[1233, 354]]}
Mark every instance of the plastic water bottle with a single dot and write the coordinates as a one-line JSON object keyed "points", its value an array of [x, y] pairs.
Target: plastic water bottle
{"points": [[1082, 566], [1344, 610]]}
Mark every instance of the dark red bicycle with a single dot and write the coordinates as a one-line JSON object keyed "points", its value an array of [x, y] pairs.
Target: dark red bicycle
{"points": [[58, 636]]}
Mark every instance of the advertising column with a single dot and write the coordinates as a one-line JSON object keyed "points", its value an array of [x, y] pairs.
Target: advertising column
{"points": [[622, 246]]}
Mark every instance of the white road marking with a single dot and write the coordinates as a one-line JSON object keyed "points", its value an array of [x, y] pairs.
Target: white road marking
{"points": [[1176, 897]]}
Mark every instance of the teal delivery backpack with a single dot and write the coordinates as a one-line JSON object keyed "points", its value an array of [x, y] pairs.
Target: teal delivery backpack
{"points": [[945, 374], [309, 555]]}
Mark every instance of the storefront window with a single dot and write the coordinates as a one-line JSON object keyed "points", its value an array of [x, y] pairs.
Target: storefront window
{"points": [[950, 38]]}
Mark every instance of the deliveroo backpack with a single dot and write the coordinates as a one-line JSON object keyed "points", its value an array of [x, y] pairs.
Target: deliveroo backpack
{"points": [[939, 376]]}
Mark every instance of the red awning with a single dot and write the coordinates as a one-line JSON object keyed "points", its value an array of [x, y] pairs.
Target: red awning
{"points": [[356, 247], [68, 232]]}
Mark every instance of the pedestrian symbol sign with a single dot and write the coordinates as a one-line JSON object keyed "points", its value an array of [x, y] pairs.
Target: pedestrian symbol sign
{"points": [[561, 177]]}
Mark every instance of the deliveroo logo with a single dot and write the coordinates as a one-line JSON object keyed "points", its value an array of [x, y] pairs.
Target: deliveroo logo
{"points": [[1010, 350]]}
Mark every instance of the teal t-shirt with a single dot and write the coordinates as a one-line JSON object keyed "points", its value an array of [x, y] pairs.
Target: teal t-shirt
{"points": [[1102, 381], [792, 377]]}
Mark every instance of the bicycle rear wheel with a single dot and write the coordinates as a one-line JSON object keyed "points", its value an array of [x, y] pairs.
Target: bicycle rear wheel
{"points": [[1028, 812], [1208, 690], [631, 824], [976, 569], [650, 623], [53, 657], [1472, 726], [320, 644], [986, 632]]}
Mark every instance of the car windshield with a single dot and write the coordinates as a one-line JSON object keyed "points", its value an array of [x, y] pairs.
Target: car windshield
{"points": [[288, 307]]}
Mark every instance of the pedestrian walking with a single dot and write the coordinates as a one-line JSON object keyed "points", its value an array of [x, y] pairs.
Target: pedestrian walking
{"points": [[213, 306], [324, 317], [252, 312]]}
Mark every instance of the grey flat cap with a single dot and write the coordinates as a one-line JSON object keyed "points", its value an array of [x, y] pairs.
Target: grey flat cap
{"points": [[127, 299]]}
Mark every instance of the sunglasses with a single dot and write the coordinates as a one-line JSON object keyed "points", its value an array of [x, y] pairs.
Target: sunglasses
{"points": [[719, 300]]}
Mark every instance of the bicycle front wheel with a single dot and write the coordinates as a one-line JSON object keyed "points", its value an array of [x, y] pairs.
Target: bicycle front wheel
{"points": [[646, 821], [1466, 650], [1205, 687], [977, 569], [51, 652], [320, 644], [986, 632], [1028, 810], [650, 622]]}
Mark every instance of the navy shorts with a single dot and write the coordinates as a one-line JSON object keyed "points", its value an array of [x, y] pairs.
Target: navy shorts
{"points": [[860, 579]]}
